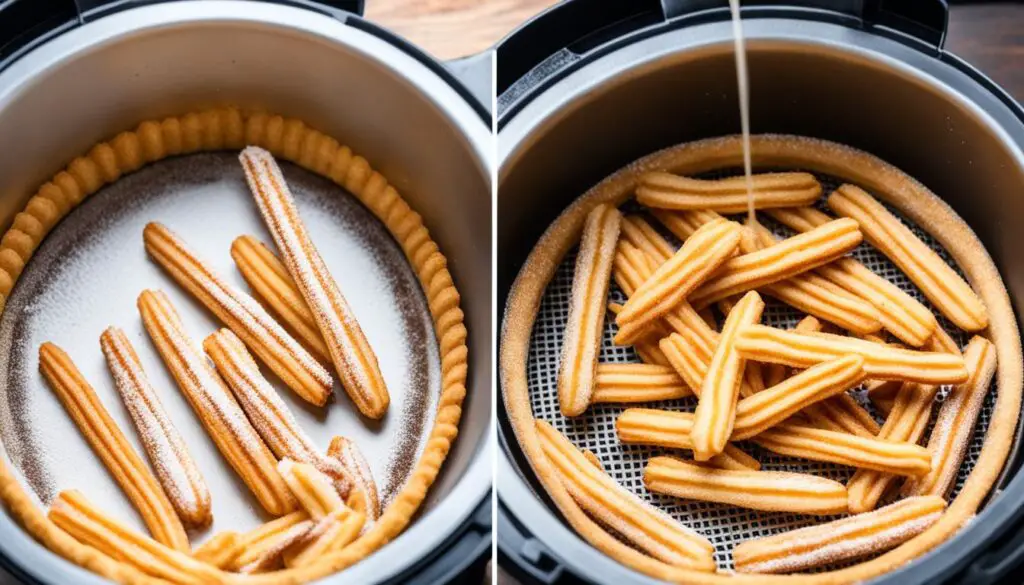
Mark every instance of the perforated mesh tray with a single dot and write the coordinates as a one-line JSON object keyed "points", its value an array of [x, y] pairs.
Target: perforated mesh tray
{"points": [[726, 526]]}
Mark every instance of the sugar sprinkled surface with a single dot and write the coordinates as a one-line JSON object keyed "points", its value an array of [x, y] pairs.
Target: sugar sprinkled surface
{"points": [[88, 272]]}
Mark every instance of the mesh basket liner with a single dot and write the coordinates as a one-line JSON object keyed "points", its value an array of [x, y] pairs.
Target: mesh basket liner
{"points": [[725, 526]]}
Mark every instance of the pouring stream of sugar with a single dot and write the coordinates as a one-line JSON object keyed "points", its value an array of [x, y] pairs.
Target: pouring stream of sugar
{"points": [[744, 95]]}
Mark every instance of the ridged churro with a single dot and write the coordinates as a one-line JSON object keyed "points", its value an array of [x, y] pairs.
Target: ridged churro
{"points": [[936, 279], [785, 259], [582, 341], [627, 383], [884, 362], [691, 363], [266, 536], [73, 514], [844, 414], [729, 195], [776, 404], [665, 428], [167, 452], [772, 491], [112, 447], [267, 412], [642, 235], [353, 358], [899, 313], [839, 540], [845, 449], [270, 280], [716, 408], [213, 403], [675, 279], [242, 314], [220, 550], [363, 497], [906, 422], [955, 422], [314, 490], [646, 527], [329, 535], [271, 552]]}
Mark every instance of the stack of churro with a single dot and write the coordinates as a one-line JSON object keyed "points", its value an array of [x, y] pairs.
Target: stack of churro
{"points": [[321, 497], [789, 392]]}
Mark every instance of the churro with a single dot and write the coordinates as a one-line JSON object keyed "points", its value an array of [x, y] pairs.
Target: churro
{"points": [[899, 313], [258, 540], [774, 405], [627, 383], [220, 550], [946, 289], [729, 195], [112, 447], [716, 408], [582, 341], [692, 364], [213, 403], [642, 235], [664, 428], [771, 491], [674, 280], [351, 353], [271, 552], [267, 412], [845, 449], [646, 527], [839, 540], [955, 422], [314, 490], [329, 535], [844, 414], [73, 514], [884, 362], [242, 314], [363, 497], [172, 463], [783, 260], [905, 422], [270, 280]]}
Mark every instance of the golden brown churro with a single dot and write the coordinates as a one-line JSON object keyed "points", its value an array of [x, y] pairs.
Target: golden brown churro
{"points": [[363, 497], [242, 314], [645, 526], [112, 447], [772, 491], [716, 408], [785, 259], [955, 422], [351, 353], [801, 350], [270, 280], [840, 540], [776, 404], [258, 540], [170, 458], [213, 403], [691, 363], [664, 428], [314, 490], [267, 412], [729, 195], [626, 383], [329, 535], [642, 235], [845, 449], [220, 550], [940, 283], [900, 314], [842, 413], [674, 280], [582, 340], [73, 514], [270, 554], [905, 422]]}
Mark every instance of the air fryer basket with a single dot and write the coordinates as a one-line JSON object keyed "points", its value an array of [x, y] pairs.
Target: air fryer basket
{"points": [[340, 75], [588, 112]]}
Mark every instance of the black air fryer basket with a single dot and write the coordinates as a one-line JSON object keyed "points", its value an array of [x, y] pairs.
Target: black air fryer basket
{"points": [[588, 87]]}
